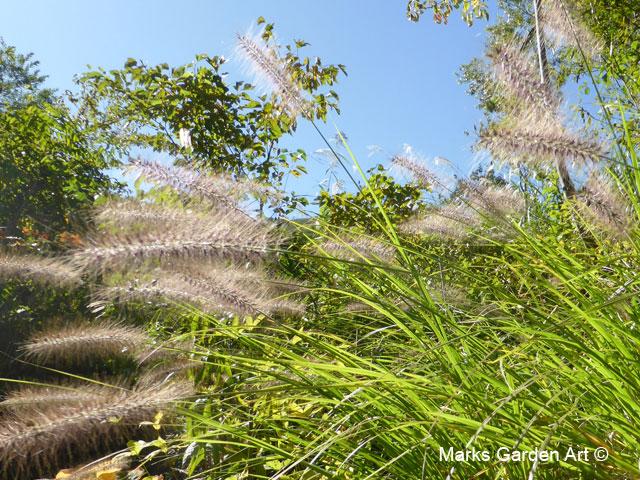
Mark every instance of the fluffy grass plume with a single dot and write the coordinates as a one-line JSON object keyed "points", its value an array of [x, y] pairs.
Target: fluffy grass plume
{"points": [[126, 214], [83, 342], [452, 221], [192, 236], [494, 200], [478, 202], [418, 171], [49, 439], [537, 140], [272, 70], [219, 189], [64, 395], [603, 204], [563, 28], [41, 270], [213, 290], [515, 71], [358, 248]]}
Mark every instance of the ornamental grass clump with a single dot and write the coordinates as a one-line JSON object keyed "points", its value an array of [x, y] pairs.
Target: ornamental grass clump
{"points": [[525, 342]]}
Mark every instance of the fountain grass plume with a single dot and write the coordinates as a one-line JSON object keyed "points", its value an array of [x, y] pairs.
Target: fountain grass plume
{"points": [[271, 69], [494, 201], [125, 214], [41, 270], [602, 204], [227, 235], [354, 247], [538, 140], [53, 438], [418, 171], [563, 28], [219, 189], [220, 290], [29, 398], [517, 73], [79, 343], [452, 221]]}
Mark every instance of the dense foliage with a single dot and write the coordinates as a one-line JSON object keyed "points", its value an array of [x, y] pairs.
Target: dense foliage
{"points": [[230, 126]]}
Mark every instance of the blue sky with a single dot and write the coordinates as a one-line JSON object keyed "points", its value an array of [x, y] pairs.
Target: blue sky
{"points": [[401, 87]]}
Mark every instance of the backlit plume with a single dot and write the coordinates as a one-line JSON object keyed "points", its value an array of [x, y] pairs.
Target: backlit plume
{"points": [[79, 343], [269, 67], [494, 200], [418, 171], [518, 74], [453, 221], [603, 204], [219, 189], [42, 270], [563, 28], [230, 235], [537, 140]]}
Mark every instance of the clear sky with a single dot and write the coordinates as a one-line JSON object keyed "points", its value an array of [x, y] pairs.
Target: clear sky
{"points": [[401, 87]]}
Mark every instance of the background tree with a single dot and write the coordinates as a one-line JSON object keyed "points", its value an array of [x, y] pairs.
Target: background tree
{"points": [[225, 126], [442, 9], [50, 168], [359, 210], [20, 79], [589, 43]]}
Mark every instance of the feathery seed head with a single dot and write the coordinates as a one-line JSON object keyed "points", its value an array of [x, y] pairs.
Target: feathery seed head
{"points": [[516, 72], [453, 221], [39, 397], [123, 214], [602, 203], [268, 67], [221, 290], [563, 28], [79, 343], [420, 173], [537, 140], [358, 247], [494, 200], [219, 235], [219, 189], [47, 439], [47, 271]]}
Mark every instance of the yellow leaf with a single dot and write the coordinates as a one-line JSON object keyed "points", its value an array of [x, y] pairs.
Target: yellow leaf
{"points": [[66, 473], [108, 474]]}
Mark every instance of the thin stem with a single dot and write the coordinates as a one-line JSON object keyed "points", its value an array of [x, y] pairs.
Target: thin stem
{"points": [[539, 41], [335, 154], [561, 164]]}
